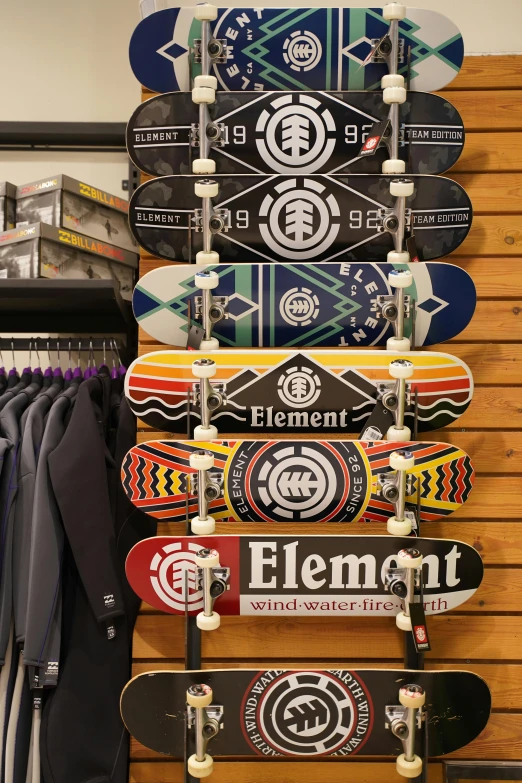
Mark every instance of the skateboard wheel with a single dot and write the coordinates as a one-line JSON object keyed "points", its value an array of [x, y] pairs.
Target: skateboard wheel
{"points": [[401, 188], [210, 257], [393, 12], [205, 623], [402, 460], [392, 80], [403, 622], [205, 433], [398, 344], [201, 460], [206, 188], [199, 696], [206, 12], [209, 344], [393, 166], [395, 257], [398, 434], [203, 527], [392, 95], [401, 368], [200, 769], [409, 558], [412, 696], [206, 81], [208, 166], [204, 368], [399, 278], [207, 280], [203, 95], [398, 527], [409, 769], [206, 558]]}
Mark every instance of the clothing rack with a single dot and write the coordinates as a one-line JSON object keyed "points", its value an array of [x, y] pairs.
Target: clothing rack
{"points": [[85, 347]]}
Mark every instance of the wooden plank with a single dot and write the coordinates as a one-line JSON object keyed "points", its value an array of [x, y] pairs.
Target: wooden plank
{"points": [[493, 152], [499, 110], [498, 195], [489, 72], [492, 235], [453, 637]]}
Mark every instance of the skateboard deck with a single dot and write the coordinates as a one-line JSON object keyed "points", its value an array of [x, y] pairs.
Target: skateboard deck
{"points": [[306, 713], [300, 218], [294, 481], [295, 49], [293, 305], [296, 391], [295, 133], [269, 575]]}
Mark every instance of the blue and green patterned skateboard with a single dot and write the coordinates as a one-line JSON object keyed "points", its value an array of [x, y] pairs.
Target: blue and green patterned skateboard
{"points": [[295, 49], [293, 305]]}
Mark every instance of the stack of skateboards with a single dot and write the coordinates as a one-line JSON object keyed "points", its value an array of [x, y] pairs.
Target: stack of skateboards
{"points": [[297, 190]]}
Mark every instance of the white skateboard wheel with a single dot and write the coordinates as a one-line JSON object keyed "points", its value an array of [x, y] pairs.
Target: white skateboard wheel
{"points": [[398, 344], [206, 12], [205, 433], [409, 769], [394, 12], [209, 280], [200, 769], [206, 188], [412, 696], [208, 560], [203, 95], [402, 460], [396, 257], [398, 527], [202, 699], [201, 460], [205, 623], [210, 257], [209, 344], [204, 370], [405, 560], [393, 166], [398, 434], [394, 95], [208, 166], [210, 82], [392, 80], [401, 368], [403, 622], [203, 527], [399, 278], [401, 188]]}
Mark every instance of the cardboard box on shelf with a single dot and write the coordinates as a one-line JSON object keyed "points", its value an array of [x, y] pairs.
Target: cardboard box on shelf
{"points": [[7, 205]]}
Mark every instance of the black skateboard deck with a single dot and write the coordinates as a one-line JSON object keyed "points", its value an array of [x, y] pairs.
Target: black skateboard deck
{"points": [[298, 218], [306, 713], [294, 133]]}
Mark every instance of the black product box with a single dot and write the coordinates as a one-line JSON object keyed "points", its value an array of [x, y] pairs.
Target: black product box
{"points": [[7, 205], [40, 250], [67, 203]]}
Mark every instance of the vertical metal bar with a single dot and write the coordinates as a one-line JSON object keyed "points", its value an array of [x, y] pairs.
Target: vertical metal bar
{"points": [[399, 324]]}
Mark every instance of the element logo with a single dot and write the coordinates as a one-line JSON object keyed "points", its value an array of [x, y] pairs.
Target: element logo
{"points": [[299, 221], [169, 569], [302, 51], [306, 713], [295, 134], [299, 307], [299, 387]]}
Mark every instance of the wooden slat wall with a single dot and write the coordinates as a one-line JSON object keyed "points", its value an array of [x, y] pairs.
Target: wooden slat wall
{"points": [[485, 636]]}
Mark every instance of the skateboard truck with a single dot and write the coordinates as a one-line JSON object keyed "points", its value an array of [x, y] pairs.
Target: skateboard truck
{"points": [[404, 721], [207, 721], [397, 219], [206, 490], [395, 308], [208, 220], [208, 397], [394, 397], [403, 581], [395, 488], [212, 580], [210, 309]]}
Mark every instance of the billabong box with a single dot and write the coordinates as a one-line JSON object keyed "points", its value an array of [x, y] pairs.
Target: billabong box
{"points": [[40, 250], [7, 205], [65, 202]]}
